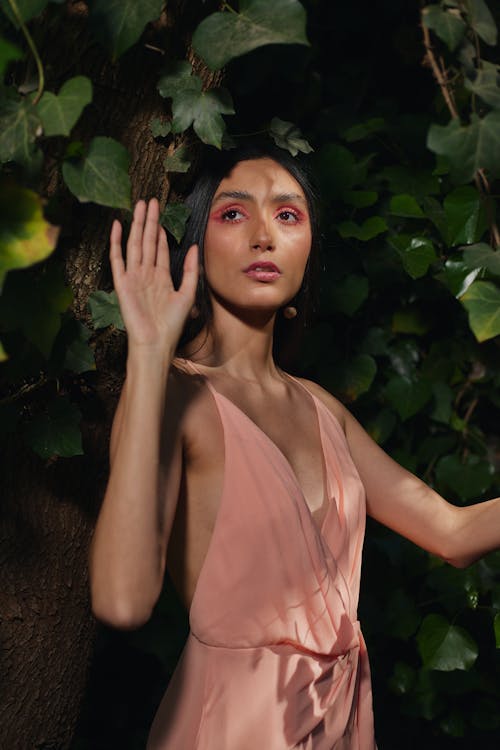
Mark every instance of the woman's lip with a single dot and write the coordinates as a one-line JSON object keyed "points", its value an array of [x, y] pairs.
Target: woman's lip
{"points": [[264, 266], [260, 274]]}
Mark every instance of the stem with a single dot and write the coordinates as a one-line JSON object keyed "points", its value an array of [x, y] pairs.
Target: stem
{"points": [[32, 46], [439, 73], [226, 6], [23, 391]]}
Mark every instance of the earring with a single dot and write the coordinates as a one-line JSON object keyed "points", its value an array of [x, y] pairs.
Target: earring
{"points": [[194, 313], [289, 312]]}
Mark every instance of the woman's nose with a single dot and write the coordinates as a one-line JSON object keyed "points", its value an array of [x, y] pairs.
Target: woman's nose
{"points": [[262, 237]]}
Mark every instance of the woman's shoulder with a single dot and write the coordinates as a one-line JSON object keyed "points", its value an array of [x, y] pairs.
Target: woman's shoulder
{"points": [[332, 404]]}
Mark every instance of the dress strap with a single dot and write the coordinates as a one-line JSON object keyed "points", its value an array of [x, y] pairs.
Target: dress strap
{"points": [[193, 368]]}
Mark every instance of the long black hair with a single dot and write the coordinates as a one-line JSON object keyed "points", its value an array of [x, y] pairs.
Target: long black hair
{"points": [[216, 166]]}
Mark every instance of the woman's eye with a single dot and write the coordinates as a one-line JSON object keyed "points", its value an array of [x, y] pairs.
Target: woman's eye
{"points": [[289, 217], [232, 214]]}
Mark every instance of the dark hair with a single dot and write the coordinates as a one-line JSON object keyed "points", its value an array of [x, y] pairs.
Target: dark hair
{"points": [[216, 166]]}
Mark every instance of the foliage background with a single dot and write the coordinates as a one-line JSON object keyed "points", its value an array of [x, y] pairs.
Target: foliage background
{"points": [[407, 324]]}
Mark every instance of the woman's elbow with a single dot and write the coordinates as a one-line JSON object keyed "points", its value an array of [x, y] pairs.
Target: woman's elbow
{"points": [[119, 615]]}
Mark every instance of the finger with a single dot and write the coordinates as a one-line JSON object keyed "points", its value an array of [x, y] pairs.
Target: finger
{"points": [[150, 235], [190, 273], [134, 244], [115, 250], [163, 252]]}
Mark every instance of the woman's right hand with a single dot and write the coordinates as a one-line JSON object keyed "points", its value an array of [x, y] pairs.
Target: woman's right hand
{"points": [[154, 313]]}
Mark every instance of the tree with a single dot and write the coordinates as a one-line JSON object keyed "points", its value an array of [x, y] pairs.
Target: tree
{"points": [[106, 102]]}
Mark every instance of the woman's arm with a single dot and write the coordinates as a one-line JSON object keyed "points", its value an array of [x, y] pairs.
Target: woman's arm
{"points": [[128, 550], [401, 501]]}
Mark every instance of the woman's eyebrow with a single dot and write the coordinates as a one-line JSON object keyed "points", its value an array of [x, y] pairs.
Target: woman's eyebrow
{"points": [[243, 195]]}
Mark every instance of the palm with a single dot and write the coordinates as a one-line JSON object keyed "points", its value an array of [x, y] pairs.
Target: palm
{"points": [[153, 311]]}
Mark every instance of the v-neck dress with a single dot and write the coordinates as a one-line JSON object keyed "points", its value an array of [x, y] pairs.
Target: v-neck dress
{"points": [[275, 658]]}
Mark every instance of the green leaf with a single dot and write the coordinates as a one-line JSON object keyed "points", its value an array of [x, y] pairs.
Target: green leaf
{"points": [[102, 176], [360, 198], [486, 84], [120, 23], [482, 21], [60, 113], [8, 53], [371, 227], [28, 9], [405, 205], [336, 167], [204, 112], [409, 321], [402, 617], [407, 396], [19, 126], [457, 276], [160, 128], [105, 310], [465, 216], [350, 379], [468, 147], [57, 431], [288, 136], [192, 106], [468, 479], [3, 354], [445, 647], [363, 130], [496, 628], [79, 355], [448, 25], [482, 302], [417, 182], [402, 679], [349, 294], [224, 36], [174, 217], [482, 256], [25, 236], [179, 160], [416, 253]]}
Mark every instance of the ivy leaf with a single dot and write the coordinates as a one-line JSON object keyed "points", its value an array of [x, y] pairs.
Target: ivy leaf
{"points": [[447, 25], [224, 36], [359, 198], [370, 228], [409, 321], [25, 236], [174, 217], [405, 205], [468, 147], [28, 9], [8, 53], [457, 276], [102, 175], [350, 379], [416, 253], [105, 310], [57, 431], [178, 161], [483, 22], [482, 256], [19, 126], [59, 113], [363, 130], [79, 355], [203, 111], [496, 628], [120, 23], [176, 78], [288, 136], [482, 302], [468, 479], [159, 128], [349, 294], [465, 216], [445, 647], [3, 354], [407, 395], [486, 84]]}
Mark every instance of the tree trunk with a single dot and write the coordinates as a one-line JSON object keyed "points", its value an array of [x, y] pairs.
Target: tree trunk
{"points": [[48, 508]]}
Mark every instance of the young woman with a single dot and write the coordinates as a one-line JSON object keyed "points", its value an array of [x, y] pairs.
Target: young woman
{"points": [[250, 484]]}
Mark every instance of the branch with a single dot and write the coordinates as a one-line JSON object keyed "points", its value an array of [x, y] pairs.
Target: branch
{"points": [[439, 72], [32, 46]]}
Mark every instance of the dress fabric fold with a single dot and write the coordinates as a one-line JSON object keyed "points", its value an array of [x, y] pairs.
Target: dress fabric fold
{"points": [[275, 658]]}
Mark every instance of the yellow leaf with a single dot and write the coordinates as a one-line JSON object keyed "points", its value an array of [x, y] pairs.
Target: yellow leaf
{"points": [[26, 237]]}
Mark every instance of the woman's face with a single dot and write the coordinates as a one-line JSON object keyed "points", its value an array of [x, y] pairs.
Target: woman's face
{"points": [[258, 237]]}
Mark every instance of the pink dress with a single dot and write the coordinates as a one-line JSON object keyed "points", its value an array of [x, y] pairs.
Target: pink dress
{"points": [[275, 658]]}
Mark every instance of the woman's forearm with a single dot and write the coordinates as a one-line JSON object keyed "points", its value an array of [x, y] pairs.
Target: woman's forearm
{"points": [[476, 532], [126, 557]]}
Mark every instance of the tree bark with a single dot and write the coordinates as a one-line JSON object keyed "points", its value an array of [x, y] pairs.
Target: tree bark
{"points": [[48, 508]]}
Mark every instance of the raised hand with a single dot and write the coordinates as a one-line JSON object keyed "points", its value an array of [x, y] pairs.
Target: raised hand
{"points": [[154, 313]]}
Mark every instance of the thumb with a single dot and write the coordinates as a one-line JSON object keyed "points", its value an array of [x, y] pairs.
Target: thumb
{"points": [[190, 273]]}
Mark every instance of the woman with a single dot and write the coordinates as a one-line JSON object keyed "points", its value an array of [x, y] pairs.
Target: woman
{"points": [[248, 483]]}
